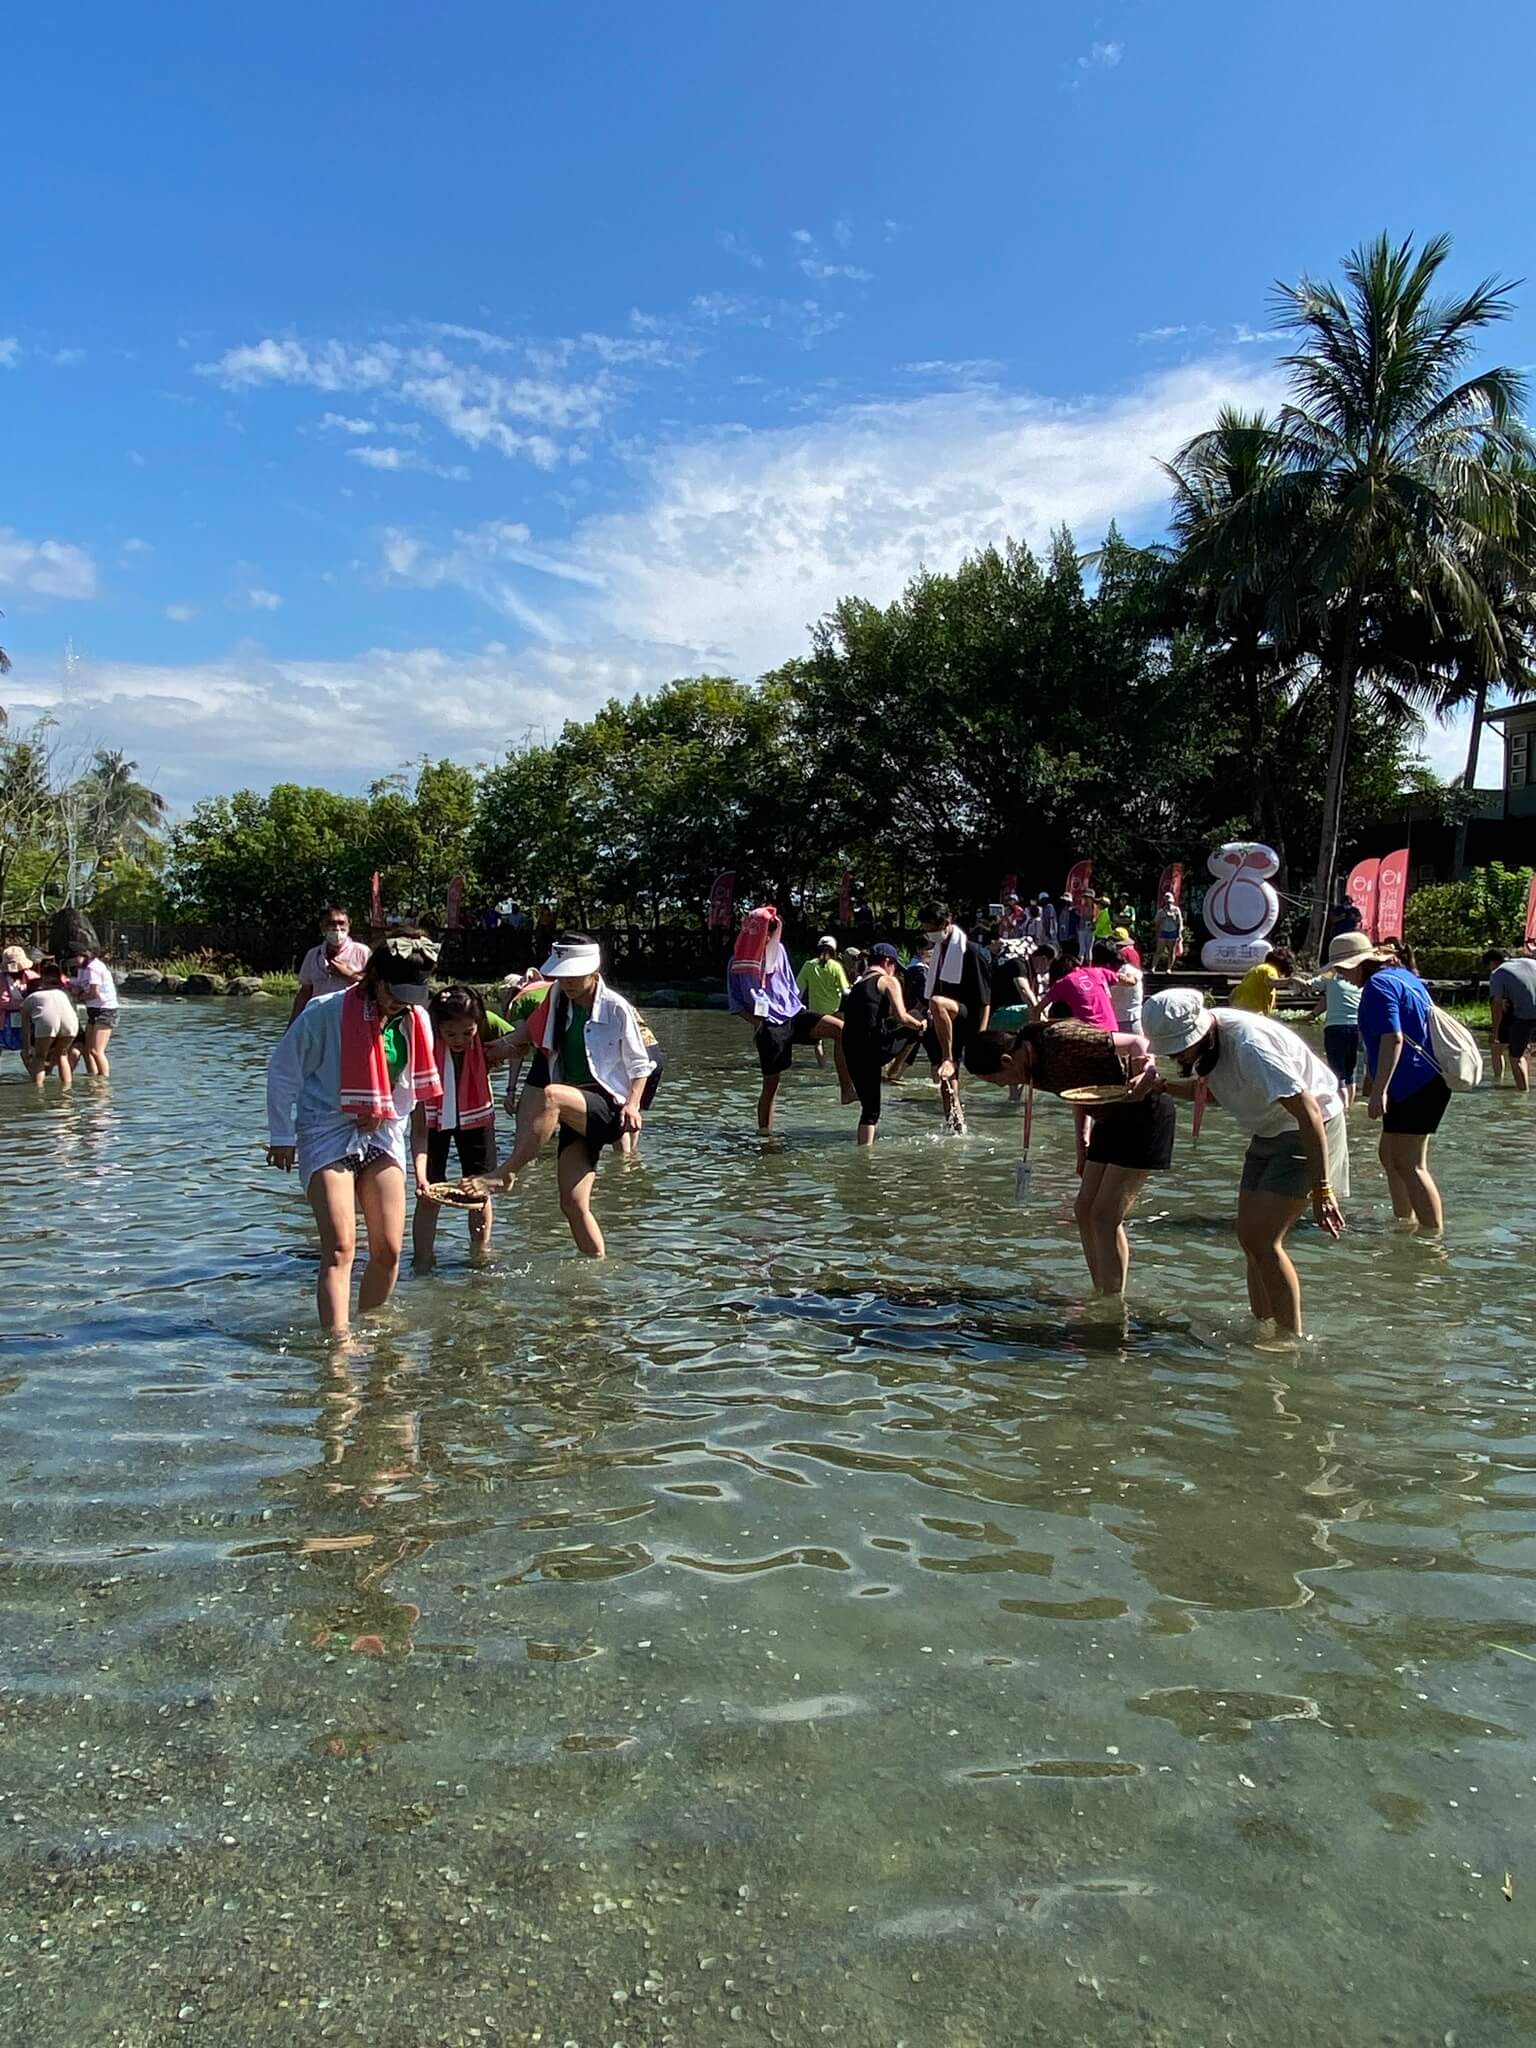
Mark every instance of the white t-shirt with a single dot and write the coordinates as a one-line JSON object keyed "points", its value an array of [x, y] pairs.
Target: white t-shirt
{"points": [[52, 1013], [95, 986], [1260, 1060]]}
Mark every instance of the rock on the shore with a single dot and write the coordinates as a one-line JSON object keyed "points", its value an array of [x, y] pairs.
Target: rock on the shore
{"points": [[141, 981], [172, 984], [244, 985], [203, 985]]}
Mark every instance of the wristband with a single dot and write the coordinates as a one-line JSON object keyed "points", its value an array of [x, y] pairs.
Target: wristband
{"points": [[1323, 1193]]}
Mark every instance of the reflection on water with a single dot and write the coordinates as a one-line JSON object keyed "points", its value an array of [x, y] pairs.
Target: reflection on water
{"points": [[817, 1621]]}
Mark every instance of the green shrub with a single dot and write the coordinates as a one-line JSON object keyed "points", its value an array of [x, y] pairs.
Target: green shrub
{"points": [[284, 985], [1450, 963], [1487, 909]]}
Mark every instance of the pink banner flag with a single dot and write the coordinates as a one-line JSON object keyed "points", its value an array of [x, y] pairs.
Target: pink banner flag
{"points": [[845, 900], [1171, 882], [1530, 914], [722, 901], [1391, 895], [1361, 891], [455, 907], [376, 902]]}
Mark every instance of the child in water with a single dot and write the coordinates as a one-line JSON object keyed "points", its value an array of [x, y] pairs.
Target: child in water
{"points": [[465, 1120]]}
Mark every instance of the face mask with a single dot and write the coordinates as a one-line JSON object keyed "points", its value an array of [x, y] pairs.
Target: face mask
{"points": [[932, 938]]}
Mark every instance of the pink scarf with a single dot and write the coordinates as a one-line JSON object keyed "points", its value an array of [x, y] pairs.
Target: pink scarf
{"points": [[366, 1092], [468, 1083]]}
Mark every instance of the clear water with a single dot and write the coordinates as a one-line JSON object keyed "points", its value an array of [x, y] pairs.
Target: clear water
{"points": [[810, 1624]]}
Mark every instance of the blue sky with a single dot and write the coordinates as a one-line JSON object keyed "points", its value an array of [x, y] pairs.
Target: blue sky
{"points": [[377, 381]]}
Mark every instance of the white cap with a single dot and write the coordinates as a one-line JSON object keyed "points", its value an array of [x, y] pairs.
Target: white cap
{"points": [[572, 962], [826, 939], [1174, 1021]]}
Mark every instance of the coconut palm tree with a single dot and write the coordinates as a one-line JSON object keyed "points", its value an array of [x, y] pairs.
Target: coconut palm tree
{"points": [[1366, 530], [1217, 566], [1391, 461], [124, 812]]}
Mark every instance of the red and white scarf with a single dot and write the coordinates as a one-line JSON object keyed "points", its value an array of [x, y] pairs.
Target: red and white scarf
{"points": [[366, 1091], [466, 1103]]}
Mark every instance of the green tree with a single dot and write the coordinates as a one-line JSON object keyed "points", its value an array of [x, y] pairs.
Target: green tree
{"points": [[1385, 477]]}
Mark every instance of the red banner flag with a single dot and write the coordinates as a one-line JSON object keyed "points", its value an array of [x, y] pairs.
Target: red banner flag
{"points": [[722, 901], [845, 900], [376, 902], [455, 911], [1361, 889], [1391, 895], [1530, 914], [1171, 882], [1079, 887]]}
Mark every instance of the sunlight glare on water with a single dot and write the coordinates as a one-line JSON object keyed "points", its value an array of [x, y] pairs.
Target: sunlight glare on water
{"points": [[815, 1621]]}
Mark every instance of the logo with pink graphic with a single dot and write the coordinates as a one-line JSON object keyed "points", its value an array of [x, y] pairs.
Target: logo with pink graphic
{"points": [[1240, 908]]}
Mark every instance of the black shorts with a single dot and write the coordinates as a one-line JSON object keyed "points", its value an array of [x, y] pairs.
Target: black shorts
{"points": [[107, 1019], [865, 1064], [776, 1042], [1138, 1136], [1418, 1115], [1518, 1034], [1341, 1049], [476, 1149]]}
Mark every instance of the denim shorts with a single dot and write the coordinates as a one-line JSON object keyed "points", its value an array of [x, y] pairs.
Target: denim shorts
{"points": [[1278, 1166]]}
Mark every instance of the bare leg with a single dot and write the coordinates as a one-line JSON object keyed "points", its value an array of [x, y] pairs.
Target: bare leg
{"points": [[62, 1048], [1405, 1155], [765, 1103], [424, 1224], [1521, 1073], [96, 1038], [1274, 1288], [832, 1027], [941, 1015], [333, 1197], [577, 1174], [867, 1133], [1104, 1200], [381, 1190]]}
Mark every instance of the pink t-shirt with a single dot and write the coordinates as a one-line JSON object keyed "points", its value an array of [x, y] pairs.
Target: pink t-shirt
{"points": [[316, 975], [1085, 992]]}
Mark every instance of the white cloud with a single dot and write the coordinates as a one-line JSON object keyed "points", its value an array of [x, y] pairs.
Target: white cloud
{"points": [[803, 236], [735, 245], [247, 721], [44, 568], [1241, 332], [376, 457], [181, 614], [742, 539], [261, 600], [814, 267], [134, 546], [1101, 57], [842, 233], [342, 423], [520, 415], [67, 358], [961, 370], [10, 351], [1169, 333]]}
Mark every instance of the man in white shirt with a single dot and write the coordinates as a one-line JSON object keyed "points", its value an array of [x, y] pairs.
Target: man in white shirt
{"points": [[1274, 1087], [335, 965]]}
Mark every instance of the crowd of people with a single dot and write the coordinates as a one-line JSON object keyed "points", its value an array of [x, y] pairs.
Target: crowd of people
{"points": [[57, 1014], [380, 1081]]}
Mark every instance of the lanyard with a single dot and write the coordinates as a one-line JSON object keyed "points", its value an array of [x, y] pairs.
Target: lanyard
{"points": [[1202, 1097]]}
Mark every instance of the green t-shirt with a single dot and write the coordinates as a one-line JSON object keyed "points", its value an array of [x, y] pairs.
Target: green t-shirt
{"points": [[573, 1048], [523, 1006], [823, 984], [397, 1044]]}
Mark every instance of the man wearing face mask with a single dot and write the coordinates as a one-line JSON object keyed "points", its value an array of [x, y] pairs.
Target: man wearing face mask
{"points": [[1275, 1088], [959, 1001]]}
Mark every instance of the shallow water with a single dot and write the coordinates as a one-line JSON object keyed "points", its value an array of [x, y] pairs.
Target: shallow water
{"points": [[812, 1623]]}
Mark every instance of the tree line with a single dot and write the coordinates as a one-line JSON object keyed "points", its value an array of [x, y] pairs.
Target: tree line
{"points": [[1333, 573]]}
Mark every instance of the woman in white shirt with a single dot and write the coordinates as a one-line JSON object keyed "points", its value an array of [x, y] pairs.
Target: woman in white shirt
{"points": [[49, 1014], [590, 1078], [91, 980]]}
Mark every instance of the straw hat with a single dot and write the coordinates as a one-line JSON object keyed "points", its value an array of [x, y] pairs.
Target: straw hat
{"points": [[1350, 948]]}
